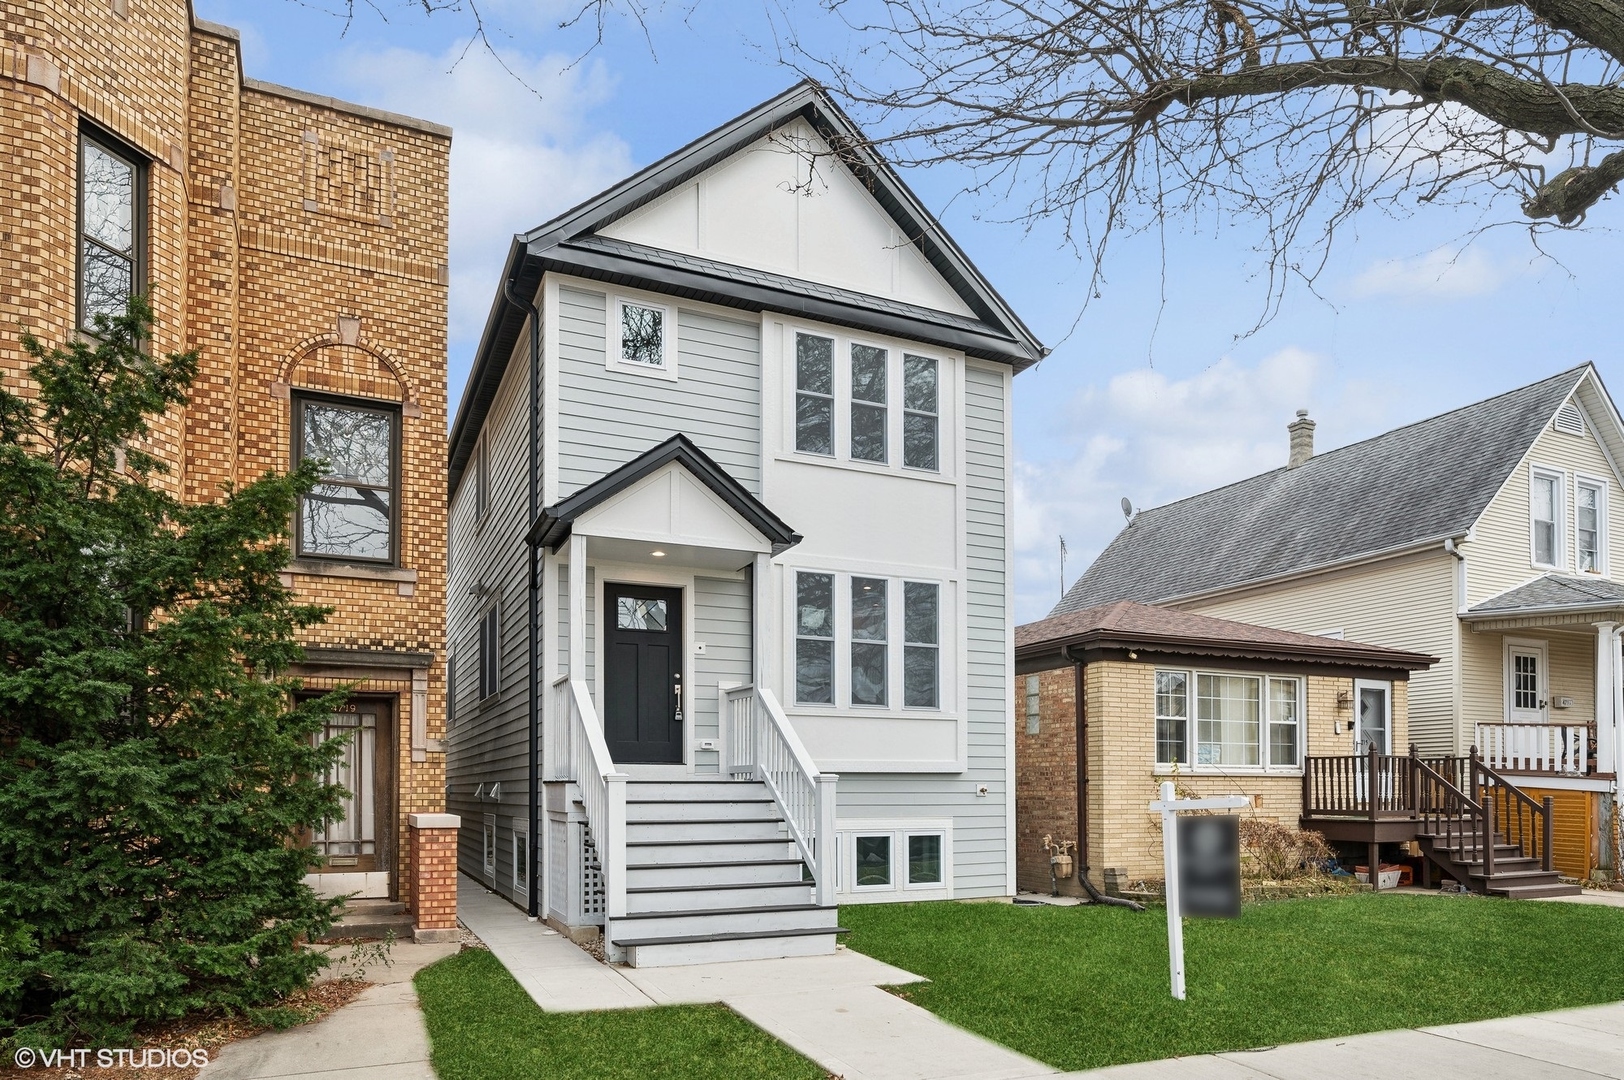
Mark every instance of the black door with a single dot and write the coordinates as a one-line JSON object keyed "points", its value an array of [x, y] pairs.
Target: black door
{"points": [[642, 677]]}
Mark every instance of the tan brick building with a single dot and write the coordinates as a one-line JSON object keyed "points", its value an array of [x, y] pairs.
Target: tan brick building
{"points": [[1219, 707], [299, 245]]}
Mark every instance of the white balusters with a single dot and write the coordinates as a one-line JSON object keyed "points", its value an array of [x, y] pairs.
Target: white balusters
{"points": [[1536, 748]]}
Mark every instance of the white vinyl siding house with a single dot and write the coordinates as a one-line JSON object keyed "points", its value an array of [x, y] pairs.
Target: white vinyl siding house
{"points": [[774, 502]]}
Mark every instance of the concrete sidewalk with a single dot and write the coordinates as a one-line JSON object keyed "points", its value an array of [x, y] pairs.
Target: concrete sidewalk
{"points": [[1574, 1044], [827, 1007], [378, 1036]]}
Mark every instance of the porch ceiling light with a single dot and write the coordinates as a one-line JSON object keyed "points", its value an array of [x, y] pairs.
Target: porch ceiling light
{"points": [[657, 554]]}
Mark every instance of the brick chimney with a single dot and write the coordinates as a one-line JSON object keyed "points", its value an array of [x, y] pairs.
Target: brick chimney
{"points": [[1302, 439]]}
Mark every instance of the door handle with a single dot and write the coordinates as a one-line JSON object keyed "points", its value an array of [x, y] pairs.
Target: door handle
{"points": [[679, 699]]}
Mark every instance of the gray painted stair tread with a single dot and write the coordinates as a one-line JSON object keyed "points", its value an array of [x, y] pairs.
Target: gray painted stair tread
{"points": [[757, 910], [742, 935], [716, 884]]}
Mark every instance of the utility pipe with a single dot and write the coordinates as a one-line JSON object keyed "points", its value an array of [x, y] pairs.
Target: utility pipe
{"points": [[533, 841]]}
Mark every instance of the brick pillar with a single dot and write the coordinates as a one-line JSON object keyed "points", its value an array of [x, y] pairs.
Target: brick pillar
{"points": [[434, 875]]}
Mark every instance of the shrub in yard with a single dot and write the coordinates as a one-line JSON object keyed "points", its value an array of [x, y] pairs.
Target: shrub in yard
{"points": [[1272, 851], [152, 768]]}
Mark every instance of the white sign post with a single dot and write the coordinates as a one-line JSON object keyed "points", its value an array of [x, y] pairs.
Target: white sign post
{"points": [[1170, 805]]}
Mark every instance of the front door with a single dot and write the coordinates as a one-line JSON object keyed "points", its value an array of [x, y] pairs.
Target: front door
{"points": [[359, 841], [1373, 711], [1525, 683], [642, 677]]}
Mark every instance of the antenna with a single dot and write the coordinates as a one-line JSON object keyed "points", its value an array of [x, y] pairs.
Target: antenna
{"points": [[1062, 568], [1127, 508]]}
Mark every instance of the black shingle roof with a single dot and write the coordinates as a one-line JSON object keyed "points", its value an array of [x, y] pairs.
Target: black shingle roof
{"points": [[1427, 480], [1554, 591]]}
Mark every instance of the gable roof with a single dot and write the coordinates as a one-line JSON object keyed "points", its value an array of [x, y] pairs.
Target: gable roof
{"points": [[569, 244], [1126, 624], [553, 527], [1418, 484], [1550, 593]]}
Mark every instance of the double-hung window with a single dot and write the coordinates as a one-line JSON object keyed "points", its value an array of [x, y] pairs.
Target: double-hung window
{"points": [[814, 394], [853, 656], [1545, 512], [111, 224], [490, 652], [868, 411], [920, 398], [352, 513], [1590, 517], [1222, 720]]}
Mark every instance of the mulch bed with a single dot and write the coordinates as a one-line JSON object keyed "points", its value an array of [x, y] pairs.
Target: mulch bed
{"points": [[208, 1033]]}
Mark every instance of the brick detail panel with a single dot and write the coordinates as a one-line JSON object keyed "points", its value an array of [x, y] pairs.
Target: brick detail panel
{"points": [[1045, 777], [434, 876]]}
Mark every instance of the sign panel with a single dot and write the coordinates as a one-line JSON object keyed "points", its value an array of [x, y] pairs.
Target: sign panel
{"points": [[1209, 866]]}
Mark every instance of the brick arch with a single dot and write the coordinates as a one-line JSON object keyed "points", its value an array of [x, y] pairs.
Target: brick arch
{"points": [[354, 369]]}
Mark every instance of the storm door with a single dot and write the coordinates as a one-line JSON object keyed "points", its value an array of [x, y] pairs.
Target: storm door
{"points": [[642, 679], [359, 840]]}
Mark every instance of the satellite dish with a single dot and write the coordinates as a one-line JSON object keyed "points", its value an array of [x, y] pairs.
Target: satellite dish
{"points": [[1127, 508]]}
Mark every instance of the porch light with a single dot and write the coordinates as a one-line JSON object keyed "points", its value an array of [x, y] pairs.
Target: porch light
{"points": [[658, 554]]}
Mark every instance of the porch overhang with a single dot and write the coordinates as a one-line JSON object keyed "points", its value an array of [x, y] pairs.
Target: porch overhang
{"points": [[1555, 601], [590, 508]]}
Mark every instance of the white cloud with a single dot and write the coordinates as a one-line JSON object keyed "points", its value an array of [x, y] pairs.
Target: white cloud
{"points": [[1444, 273], [523, 148], [1153, 439]]}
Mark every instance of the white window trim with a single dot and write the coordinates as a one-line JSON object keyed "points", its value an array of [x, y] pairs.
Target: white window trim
{"points": [[899, 830], [1559, 512], [487, 841], [1507, 677], [946, 373], [947, 648], [612, 351], [1190, 737], [521, 842], [1603, 568]]}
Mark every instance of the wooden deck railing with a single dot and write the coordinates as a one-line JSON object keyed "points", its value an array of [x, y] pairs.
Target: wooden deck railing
{"points": [[1373, 785]]}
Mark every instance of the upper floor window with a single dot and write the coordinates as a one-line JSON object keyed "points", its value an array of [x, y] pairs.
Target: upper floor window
{"points": [[1590, 525], [1245, 721], [353, 512], [859, 648], [110, 227], [490, 652], [1545, 511], [844, 408], [641, 338]]}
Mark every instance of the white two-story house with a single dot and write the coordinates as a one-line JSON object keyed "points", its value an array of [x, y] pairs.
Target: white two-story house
{"points": [[729, 597], [1483, 536]]}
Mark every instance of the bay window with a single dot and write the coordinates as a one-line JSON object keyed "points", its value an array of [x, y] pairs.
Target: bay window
{"points": [[871, 653], [1240, 721]]}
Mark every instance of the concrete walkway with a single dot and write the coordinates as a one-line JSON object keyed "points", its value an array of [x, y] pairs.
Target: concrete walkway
{"points": [[1574, 1044], [827, 1007], [378, 1036]]}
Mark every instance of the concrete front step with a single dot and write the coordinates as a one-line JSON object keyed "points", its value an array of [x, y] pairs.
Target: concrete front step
{"points": [[720, 948], [731, 895], [651, 875], [358, 906], [367, 927], [706, 851], [735, 920], [705, 829]]}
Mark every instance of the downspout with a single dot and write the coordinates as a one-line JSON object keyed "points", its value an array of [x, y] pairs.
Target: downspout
{"points": [[1080, 706], [533, 841]]}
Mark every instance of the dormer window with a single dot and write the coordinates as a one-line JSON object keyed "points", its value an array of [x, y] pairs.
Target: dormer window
{"points": [[1545, 510]]}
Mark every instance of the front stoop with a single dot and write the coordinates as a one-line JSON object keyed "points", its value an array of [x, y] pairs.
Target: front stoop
{"points": [[712, 875]]}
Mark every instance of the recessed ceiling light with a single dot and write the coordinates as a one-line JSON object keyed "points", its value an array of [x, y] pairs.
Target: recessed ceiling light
{"points": [[658, 554]]}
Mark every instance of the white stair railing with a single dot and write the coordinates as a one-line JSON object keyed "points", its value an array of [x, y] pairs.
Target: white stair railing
{"points": [[585, 758], [1540, 748], [762, 745]]}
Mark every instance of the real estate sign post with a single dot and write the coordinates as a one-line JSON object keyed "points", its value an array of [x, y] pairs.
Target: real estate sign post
{"points": [[1211, 874]]}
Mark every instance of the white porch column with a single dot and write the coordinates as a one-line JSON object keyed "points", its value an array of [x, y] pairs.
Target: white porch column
{"points": [[762, 607], [1617, 636], [577, 557], [1606, 676]]}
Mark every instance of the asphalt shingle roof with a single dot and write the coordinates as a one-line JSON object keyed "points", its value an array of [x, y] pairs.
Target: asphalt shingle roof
{"points": [[1431, 479], [1554, 590]]}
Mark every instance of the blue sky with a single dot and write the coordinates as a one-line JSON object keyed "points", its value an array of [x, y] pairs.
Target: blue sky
{"points": [[1149, 396]]}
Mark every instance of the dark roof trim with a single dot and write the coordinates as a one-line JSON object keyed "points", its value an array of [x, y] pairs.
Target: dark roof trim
{"points": [[503, 327], [554, 525], [1248, 663], [1341, 653], [807, 100]]}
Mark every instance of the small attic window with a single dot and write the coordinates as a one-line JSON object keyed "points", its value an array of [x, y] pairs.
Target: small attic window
{"points": [[641, 338], [1570, 420]]}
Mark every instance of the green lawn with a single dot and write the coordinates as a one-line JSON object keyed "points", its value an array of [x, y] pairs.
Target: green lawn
{"points": [[1083, 987], [485, 1027]]}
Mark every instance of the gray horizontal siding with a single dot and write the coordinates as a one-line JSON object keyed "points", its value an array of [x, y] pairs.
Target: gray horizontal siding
{"points": [[722, 622], [606, 418]]}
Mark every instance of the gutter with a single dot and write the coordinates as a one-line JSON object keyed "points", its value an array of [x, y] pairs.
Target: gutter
{"points": [[1613, 607], [533, 599]]}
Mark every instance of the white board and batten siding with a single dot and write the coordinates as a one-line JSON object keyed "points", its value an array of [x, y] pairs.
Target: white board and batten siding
{"points": [[487, 741], [1402, 603]]}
